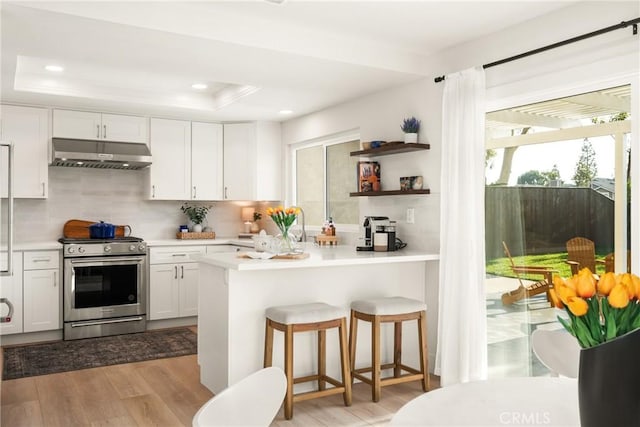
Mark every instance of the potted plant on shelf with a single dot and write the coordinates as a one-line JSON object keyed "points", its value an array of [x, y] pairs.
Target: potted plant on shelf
{"points": [[196, 214], [410, 127], [257, 216]]}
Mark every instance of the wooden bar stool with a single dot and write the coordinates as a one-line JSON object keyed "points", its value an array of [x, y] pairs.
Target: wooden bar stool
{"points": [[303, 318], [384, 310]]}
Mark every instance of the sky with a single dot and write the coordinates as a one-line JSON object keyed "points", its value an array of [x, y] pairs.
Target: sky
{"points": [[564, 154]]}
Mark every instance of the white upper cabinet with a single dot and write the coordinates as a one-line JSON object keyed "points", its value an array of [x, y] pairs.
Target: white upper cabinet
{"points": [[28, 129], [100, 127], [206, 161], [252, 161], [170, 172]]}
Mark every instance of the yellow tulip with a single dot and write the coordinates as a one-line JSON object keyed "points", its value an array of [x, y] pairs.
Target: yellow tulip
{"points": [[585, 284], [606, 283], [618, 298], [571, 282], [269, 211], [626, 281], [558, 281], [565, 293], [297, 211], [554, 299], [636, 284], [578, 306]]}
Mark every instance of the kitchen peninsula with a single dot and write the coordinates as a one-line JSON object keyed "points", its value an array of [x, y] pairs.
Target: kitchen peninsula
{"points": [[234, 292]]}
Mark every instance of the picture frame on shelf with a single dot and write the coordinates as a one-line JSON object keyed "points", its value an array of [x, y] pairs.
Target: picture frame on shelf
{"points": [[411, 183], [368, 174]]}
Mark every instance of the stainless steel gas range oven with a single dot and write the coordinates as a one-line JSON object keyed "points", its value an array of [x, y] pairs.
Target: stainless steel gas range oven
{"points": [[105, 286]]}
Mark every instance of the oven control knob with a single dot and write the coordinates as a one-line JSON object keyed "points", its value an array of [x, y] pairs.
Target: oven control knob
{"points": [[71, 250], [141, 247], [107, 248], [81, 249], [132, 248]]}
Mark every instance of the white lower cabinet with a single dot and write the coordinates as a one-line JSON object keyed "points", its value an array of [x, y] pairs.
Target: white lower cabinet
{"points": [[42, 295], [173, 282], [11, 290]]}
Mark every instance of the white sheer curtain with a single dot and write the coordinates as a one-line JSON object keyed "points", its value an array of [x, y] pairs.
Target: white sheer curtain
{"points": [[462, 334]]}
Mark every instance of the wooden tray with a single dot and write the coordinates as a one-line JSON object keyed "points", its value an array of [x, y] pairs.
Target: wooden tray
{"points": [[283, 256], [193, 236], [79, 229], [323, 239]]}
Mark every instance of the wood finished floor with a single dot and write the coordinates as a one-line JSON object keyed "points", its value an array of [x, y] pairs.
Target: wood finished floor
{"points": [[167, 392]]}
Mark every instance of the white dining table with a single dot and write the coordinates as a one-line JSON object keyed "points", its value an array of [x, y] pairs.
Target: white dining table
{"points": [[547, 401]]}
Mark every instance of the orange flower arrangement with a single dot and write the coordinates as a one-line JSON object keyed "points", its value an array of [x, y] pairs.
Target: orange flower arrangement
{"points": [[600, 308], [283, 217]]}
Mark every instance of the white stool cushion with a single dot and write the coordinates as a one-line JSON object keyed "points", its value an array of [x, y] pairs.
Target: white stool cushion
{"points": [[388, 306], [304, 313]]}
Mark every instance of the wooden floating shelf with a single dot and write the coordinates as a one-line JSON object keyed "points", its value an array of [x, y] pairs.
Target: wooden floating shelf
{"points": [[393, 147], [390, 193]]}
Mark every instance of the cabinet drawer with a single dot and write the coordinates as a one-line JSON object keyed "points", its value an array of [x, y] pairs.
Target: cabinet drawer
{"points": [[41, 260], [218, 249], [173, 254]]}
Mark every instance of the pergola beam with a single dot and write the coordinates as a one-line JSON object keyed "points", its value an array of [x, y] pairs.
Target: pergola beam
{"points": [[592, 131], [527, 119], [597, 99]]}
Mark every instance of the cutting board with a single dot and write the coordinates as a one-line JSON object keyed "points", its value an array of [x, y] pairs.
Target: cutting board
{"points": [[79, 229], [283, 256]]}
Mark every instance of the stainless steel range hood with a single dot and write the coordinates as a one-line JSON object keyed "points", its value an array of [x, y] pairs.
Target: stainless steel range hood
{"points": [[99, 154]]}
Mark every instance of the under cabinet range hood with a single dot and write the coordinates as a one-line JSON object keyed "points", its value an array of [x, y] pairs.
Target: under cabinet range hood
{"points": [[99, 154]]}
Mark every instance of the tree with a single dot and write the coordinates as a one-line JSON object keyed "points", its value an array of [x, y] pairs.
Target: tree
{"points": [[551, 175], [586, 167], [532, 177], [507, 161]]}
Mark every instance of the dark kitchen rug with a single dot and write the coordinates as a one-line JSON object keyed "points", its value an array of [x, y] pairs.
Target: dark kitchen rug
{"points": [[62, 356]]}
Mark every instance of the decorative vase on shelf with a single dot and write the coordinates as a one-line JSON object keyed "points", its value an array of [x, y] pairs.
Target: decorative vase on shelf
{"points": [[197, 228], [254, 227], [609, 383], [410, 138]]}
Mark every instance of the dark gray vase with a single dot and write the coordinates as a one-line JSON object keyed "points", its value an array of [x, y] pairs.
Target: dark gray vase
{"points": [[609, 383]]}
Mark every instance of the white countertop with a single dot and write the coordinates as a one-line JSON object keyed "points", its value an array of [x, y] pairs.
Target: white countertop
{"points": [[200, 242], [326, 256], [35, 246]]}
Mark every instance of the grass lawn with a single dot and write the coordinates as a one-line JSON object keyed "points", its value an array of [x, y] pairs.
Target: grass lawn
{"points": [[502, 266]]}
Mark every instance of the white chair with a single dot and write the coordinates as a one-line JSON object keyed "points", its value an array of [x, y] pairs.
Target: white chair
{"points": [[252, 401], [558, 350]]}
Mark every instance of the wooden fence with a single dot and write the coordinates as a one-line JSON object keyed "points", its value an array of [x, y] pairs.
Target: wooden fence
{"points": [[535, 220]]}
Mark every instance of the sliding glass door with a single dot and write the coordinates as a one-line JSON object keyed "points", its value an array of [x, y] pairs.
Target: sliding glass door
{"points": [[555, 170]]}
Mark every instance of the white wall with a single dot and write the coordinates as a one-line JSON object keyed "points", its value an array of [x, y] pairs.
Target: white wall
{"points": [[115, 196]]}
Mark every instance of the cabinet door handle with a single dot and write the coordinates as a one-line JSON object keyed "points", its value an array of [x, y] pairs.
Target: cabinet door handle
{"points": [[43, 188], [153, 191], [182, 271], [98, 131], [175, 273], [194, 191], [55, 279], [226, 193], [104, 136], [44, 259]]}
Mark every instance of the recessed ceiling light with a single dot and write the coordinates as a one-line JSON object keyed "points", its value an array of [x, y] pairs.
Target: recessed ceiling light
{"points": [[79, 163], [54, 68], [285, 112], [199, 86]]}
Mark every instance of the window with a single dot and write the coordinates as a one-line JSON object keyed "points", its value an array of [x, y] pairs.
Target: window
{"points": [[324, 174]]}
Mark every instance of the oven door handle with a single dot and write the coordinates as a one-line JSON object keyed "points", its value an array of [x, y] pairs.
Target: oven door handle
{"points": [[105, 322]]}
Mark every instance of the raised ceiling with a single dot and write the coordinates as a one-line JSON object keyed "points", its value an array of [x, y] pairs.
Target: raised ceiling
{"points": [[256, 57]]}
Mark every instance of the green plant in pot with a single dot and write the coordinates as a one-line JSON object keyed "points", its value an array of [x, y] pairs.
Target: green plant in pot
{"points": [[410, 126], [257, 216], [196, 214]]}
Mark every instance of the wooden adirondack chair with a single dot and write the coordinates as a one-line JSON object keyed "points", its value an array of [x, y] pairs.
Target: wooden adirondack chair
{"points": [[527, 291], [581, 253]]}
